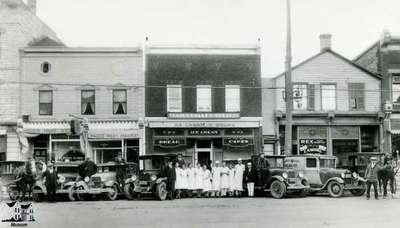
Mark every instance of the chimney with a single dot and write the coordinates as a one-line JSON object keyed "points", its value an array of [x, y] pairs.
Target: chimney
{"points": [[325, 41], [31, 5]]}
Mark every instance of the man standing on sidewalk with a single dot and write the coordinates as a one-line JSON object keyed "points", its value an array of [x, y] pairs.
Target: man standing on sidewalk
{"points": [[371, 175]]}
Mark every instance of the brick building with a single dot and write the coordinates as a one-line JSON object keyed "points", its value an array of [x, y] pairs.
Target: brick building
{"points": [[19, 25], [103, 85], [383, 58], [203, 101], [337, 108]]}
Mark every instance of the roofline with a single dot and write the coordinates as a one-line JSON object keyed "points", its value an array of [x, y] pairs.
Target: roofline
{"points": [[83, 50], [211, 49], [366, 50], [337, 55]]}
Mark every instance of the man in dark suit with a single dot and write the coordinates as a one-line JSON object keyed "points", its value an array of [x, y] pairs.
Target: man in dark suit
{"points": [[121, 170], [250, 177], [169, 173], [50, 180]]}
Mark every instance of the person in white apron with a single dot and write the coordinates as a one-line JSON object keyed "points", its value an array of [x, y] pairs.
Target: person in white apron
{"points": [[239, 170], [231, 180], [191, 179], [216, 180], [198, 176], [185, 181], [206, 181], [178, 181], [224, 179]]}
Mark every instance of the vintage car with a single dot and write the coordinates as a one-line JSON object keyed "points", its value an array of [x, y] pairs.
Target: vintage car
{"points": [[279, 180], [322, 174], [150, 180], [67, 174], [103, 183]]}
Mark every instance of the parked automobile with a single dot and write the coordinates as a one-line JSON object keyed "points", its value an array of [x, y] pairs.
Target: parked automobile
{"points": [[150, 180], [280, 180], [103, 183], [67, 174], [322, 174]]}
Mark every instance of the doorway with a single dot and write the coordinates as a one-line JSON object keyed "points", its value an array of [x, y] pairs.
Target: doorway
{"points": [[203, 152]]}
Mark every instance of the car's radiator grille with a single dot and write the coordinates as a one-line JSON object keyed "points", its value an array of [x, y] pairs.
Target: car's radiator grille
{"points": [[96, 182]]}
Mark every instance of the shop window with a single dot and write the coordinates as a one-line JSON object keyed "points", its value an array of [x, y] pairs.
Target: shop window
{"points": [[88, 102], [203, 98], [174, 98], [300, 96], [328, 97], [45, 102], [119, 102], [232, 98], [356, 96], [3, 147], [369, 139], [311, 162], [132, 151]]}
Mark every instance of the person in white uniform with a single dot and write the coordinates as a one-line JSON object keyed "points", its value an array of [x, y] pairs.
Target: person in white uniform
{"points": [[216, 180], [178, 181], [185, 180], [198, 175], [191, 179], [224, 179], [206, 181], [231, 180], [239, 170]]}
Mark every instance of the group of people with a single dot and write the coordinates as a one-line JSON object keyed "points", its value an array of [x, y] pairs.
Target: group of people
{"points": [[221, 180]]}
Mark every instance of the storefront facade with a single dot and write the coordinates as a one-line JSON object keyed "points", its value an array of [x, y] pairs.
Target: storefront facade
{"points": [[203, 102]]}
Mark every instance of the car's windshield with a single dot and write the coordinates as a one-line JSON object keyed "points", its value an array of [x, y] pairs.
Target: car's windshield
{"points": [[327, 163], [66, 169], [275, 162], [152, 164]]}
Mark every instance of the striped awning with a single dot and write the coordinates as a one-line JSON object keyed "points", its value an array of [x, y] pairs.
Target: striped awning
{"points": [[395, 132], [47, 127]]}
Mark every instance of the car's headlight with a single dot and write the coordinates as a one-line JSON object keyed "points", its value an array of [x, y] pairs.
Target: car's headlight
{"points": [[301, 174], [355, 175], [343, 175], [133, 177], [86, 179], [153, 177], [61, 179], [285, 175]]}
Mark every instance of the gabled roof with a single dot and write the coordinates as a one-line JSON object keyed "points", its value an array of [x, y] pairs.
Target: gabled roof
{"points": [[366, 51], [338, 56], [45, 41]]}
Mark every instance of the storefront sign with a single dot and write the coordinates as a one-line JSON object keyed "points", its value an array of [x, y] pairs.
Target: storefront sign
{"points": [[113, 133], [204, 132], [345, 132], [312, 145], [47, 131], [166, 132], [312, 132], [238, 142], [238, 132], [173, 115], [169, 143], [204, 124]]}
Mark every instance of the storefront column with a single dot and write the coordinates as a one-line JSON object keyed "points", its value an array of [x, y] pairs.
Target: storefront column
{"points": [[50, 152]]}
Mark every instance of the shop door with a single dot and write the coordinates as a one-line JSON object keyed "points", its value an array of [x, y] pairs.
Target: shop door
{"points": [[204, 152]]}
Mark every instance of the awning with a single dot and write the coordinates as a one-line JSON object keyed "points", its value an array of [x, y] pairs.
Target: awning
{"points": [[395, 132], [113, 130], [48, 127]]}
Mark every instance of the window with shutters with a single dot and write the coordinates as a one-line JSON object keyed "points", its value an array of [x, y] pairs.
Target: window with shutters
{"points": [[204, 98], [300, 99], [174, 98], [88, 102], [356, 96], [232, 98], [119, 101], [45, 102], [328, 96]]}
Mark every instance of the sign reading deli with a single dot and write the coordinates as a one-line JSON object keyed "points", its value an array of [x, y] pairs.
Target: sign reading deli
{"points": [[169, 142], [238, 142]]}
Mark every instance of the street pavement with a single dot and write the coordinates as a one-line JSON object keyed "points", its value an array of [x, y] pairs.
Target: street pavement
{"points": [[312, 211]]}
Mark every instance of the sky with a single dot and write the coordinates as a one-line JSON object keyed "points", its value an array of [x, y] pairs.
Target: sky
{"points": [[354, 24]]}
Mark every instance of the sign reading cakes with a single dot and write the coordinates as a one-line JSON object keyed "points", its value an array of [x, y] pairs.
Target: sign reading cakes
{"points": [[238, 142]]}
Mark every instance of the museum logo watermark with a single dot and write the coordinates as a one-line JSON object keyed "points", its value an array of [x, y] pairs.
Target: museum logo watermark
{"points": [[17, 214]]}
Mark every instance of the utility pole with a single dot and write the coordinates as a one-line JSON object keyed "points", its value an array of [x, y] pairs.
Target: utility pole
{"points": [[288, 84]]}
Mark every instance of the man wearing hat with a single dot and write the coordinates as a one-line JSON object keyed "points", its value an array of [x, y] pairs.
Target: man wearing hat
{"points": [[371, 175], [50, 178], [169, 173]]}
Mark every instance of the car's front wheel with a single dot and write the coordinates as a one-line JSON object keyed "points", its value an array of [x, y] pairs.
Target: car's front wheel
{"points": [[112, 193], [278, 189], [162, 191], [335, 189], [129, 192]]}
